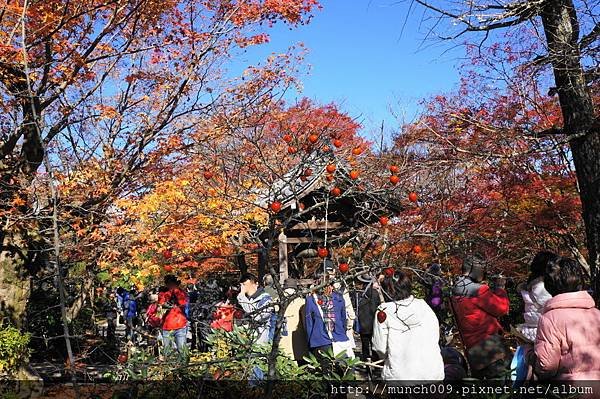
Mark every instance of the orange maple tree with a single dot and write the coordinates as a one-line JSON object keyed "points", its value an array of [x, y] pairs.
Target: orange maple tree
{"points": [[93, 87]]}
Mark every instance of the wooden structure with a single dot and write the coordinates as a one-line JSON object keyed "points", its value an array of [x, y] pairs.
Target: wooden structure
{"points": [[312, 217]]}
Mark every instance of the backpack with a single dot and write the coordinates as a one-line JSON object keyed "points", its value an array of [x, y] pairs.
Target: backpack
{"points": [[273, 325], [154, 319], [273, 318], [186, 310]]}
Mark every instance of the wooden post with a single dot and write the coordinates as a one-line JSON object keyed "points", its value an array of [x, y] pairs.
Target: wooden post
{"points": [[283, 257]]}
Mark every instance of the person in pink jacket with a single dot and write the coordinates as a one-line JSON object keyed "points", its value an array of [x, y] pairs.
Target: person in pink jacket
{"points": [[567, 345]]}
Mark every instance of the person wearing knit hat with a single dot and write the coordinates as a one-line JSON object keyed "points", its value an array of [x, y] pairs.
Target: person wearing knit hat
{"points": [[290, 283]]}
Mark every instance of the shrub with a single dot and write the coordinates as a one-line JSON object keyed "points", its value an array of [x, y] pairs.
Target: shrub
{"points": [[14, 350], [235, 366]]}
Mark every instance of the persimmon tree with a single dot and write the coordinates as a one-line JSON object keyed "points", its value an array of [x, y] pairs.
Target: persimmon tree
{"points": [[287, 151], [224, 195], [93, 87], [207, 205], [566, 34]]}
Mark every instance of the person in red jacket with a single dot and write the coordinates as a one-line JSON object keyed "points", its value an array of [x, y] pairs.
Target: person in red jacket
{"points": [[224, 313], [477, 308], [174, 325]]}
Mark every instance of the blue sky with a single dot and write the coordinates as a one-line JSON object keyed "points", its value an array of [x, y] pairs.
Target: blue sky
{"points": [[361, 59]]}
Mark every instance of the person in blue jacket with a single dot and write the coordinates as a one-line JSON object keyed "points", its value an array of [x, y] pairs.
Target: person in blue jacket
{"points": [[130, 314], [325, 316]]}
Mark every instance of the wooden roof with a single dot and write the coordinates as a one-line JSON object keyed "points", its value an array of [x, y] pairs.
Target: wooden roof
{"points": [[353, 209]]}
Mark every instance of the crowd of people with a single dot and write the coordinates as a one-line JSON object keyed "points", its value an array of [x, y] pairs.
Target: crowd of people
{"points": [[399, 333]]}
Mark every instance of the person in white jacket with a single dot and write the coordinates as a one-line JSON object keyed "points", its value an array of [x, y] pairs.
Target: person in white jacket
{"points": [[535, 295], [406, 335], [258, 306]]}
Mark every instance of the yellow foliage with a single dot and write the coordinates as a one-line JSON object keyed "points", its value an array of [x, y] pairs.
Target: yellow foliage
{"points": [[187, 217]]}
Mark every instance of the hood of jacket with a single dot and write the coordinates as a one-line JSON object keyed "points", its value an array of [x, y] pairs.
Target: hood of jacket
{"points": [[259, 292], [579, 300], [464, 286], [537, 291]]}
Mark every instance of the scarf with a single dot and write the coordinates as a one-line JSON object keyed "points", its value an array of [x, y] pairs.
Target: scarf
{"points": [[326, 304]]}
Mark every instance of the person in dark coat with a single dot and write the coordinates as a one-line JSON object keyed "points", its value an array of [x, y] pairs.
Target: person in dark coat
{"points": [[129, 306], [325, 324], [368, 301]]}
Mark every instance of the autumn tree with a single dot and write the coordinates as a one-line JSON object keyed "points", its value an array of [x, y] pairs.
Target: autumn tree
{"points": [[172, 206], [268, 154], [211, 203], [568, 46], [486, 183], [92, 87]]}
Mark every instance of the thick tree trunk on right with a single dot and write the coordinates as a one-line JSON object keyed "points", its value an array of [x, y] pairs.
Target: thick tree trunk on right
{"points": [[561, 27], [586, 154]]}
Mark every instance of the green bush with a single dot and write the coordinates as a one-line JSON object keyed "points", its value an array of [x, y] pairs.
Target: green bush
{"points": [[14, 350], [231, 368]]}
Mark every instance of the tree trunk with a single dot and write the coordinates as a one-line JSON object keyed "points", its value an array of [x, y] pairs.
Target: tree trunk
{"points": [[86, 291], [274, 353], [15, 259], [561, 28], [240, 261], [14, 279], [263, 261]]}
